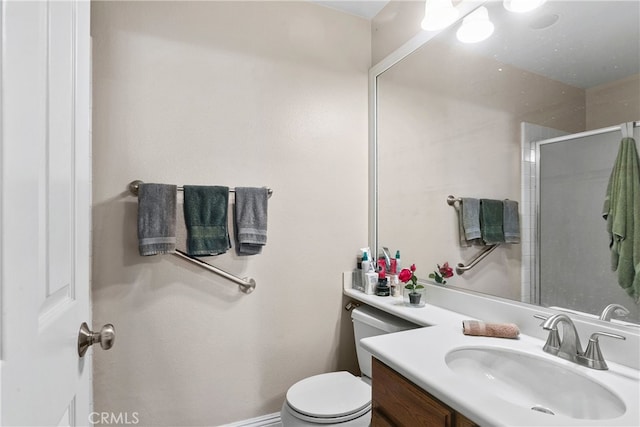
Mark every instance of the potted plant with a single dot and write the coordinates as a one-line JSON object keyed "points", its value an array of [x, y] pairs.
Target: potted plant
{"points": [[411, 286], [442, 273]]}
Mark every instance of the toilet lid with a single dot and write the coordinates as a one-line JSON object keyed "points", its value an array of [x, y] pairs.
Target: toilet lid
{"points": [[332, 395]]}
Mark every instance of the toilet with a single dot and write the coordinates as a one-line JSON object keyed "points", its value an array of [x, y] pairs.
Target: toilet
{"points": [[340, 397]]}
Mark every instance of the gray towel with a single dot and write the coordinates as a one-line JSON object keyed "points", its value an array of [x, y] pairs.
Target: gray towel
{"points": [[156, 219], [251, 219], [511, 221], [205, 215], [471, 218], [463, 240]]}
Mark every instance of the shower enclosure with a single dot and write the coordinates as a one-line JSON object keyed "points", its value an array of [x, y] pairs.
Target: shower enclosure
{"points": [[569, 263]]}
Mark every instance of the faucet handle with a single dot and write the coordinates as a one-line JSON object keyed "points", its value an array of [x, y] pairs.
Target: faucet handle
{"points": [[552, 345], [594, 336], [592, 355], [541, 317]]}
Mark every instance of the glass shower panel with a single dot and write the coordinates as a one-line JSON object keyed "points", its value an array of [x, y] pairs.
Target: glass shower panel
{"points": [[574, 262]]}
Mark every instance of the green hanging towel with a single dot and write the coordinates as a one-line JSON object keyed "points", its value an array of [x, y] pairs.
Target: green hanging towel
{"points": [[622, 212], [491, 221], [205, 215]]}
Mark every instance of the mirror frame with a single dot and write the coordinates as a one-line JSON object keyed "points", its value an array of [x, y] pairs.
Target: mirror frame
{"points": [[422, 37], [413, 44]]}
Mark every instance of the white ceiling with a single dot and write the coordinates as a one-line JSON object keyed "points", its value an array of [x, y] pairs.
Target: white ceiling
{"points": [[592, 42], [363, 8]]}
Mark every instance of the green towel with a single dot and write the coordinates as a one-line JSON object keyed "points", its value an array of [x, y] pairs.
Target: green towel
{"points": [[491, 213], [622, 212], [205, 215]]}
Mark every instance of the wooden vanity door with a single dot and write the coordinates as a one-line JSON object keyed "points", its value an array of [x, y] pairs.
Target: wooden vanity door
{"points": [[398, 402]]}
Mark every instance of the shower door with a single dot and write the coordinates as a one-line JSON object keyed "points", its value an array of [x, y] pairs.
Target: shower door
{"points": [[573, 244]]}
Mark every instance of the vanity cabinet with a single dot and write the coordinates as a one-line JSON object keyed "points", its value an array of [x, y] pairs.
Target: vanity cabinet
{"points": [[398, 402]]}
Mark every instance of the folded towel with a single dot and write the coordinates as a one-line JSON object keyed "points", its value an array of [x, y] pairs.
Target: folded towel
{"points": [[491, 218], [499, 330], [156, 219], [205, 215], [511, 222], [470, 218], [251, 219], [622, 212]]}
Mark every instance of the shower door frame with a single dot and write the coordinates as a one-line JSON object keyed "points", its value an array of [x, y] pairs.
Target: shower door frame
{"points": [[533, 192]]}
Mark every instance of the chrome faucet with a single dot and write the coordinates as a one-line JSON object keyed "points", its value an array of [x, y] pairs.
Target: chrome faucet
{"points": [[569, 346], [612, 309]]}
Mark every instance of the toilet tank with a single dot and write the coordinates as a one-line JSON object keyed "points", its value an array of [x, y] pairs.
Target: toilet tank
{"points": [[370, 322]]}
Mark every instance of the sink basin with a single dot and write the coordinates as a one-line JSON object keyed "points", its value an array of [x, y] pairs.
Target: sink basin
{"points": [[536, 383]]}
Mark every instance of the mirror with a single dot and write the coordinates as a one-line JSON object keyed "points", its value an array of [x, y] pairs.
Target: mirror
{"points": [[466, 120]]}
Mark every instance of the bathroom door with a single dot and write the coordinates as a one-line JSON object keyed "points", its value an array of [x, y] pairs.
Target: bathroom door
{"points": [[45, 204]]}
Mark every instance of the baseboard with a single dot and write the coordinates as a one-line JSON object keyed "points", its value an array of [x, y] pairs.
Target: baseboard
{"points": [[270, 420]]}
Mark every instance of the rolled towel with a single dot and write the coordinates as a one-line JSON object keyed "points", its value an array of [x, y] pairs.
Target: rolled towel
{"points": [[499, 330], [511, 222]]}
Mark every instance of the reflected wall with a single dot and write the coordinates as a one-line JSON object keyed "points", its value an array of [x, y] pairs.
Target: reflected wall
{"points": [[449, 123]]}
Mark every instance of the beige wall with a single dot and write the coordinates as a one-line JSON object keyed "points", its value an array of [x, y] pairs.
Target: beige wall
{"points": [[238, 94], [449, 123], [613, 103]]}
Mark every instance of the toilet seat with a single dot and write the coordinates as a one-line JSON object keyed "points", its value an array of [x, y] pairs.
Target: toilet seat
{"points": [[329, 398]]}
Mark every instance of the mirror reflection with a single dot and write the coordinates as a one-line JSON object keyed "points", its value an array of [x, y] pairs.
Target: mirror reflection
{"points": [[471, 119]]}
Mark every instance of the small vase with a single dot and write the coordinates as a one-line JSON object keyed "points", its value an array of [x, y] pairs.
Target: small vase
{"points": [[413, 297]]}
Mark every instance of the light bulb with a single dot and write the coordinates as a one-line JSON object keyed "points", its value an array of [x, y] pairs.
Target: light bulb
{"points": [[438, 14], [521, 6], [475, 27]]}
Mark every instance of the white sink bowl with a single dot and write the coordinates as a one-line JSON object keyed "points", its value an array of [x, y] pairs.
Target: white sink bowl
{"points": [[536, 383]]}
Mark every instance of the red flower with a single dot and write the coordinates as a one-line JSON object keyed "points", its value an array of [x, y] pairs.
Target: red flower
{"points": [[445, 270], [405, 275], [413, 267]]}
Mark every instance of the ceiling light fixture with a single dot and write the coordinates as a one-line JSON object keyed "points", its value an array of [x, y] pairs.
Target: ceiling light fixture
{"points": [[521, 6], [438, 14], [475, 27]]}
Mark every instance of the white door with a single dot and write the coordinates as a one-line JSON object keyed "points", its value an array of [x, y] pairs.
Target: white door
{"points": [[45, 212]]}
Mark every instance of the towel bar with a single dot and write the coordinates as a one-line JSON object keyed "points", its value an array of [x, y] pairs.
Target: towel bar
{"points": [[247, 283], [451, 201], [461, 268], [135, 185]]}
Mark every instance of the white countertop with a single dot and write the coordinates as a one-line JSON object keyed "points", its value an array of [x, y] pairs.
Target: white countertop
{"points": [[419, 355], [427, 315]]}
